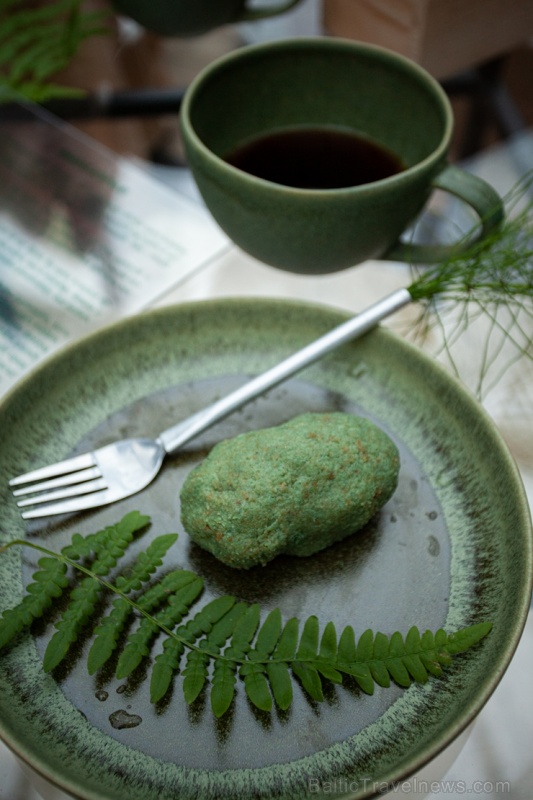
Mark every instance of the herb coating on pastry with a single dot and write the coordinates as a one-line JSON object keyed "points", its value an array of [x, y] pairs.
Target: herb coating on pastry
{"points": [[295, 488]]}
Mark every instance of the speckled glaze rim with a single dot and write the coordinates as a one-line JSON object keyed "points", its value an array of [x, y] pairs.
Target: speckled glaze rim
{"points": [[127, 774]]}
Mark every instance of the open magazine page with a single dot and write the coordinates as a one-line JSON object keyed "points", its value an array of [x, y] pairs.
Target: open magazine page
{"points": [[86, 237]]}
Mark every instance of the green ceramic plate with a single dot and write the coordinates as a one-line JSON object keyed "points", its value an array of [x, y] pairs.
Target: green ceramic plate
{"points": [[452, 547]]}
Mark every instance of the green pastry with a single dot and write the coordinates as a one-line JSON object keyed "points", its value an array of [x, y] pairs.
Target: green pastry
{"points": [[295, 488]]}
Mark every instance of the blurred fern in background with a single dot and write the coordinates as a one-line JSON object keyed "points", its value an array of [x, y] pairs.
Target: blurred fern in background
{"points": [[37, 41]]}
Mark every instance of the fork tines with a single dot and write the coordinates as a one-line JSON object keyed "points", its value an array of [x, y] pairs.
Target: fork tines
{"points": [[69, 478]]}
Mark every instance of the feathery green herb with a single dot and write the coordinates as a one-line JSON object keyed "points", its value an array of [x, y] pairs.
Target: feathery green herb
{"points": [[39, 40], [225, 640], [488, 288]]}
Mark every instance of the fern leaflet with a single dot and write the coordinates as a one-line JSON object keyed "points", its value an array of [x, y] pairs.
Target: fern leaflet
{"points": [[177, 607], [111, 626], [48, 583], [109, 545]]}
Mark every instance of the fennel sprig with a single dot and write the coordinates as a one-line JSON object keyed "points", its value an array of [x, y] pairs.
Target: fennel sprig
{"points": [[487, 290]]}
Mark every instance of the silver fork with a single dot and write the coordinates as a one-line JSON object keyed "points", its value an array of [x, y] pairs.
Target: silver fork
{"points": [[125, 467]]}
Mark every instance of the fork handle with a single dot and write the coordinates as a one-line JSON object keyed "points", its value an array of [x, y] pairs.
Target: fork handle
{"points": [[176, 436]]}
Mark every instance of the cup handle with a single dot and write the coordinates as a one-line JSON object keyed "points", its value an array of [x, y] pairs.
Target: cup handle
{"points": [[485, 201], [250, 14]]}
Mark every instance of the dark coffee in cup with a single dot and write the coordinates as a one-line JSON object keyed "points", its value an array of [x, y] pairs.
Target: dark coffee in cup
{"points": [[316, 157], [335, 148]]}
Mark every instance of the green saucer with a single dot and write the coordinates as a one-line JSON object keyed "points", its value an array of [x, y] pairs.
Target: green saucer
{"points": [[451, 548]]}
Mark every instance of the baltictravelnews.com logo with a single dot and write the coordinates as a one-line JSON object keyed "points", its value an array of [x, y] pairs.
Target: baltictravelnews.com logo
{"points": [[342, 786]]}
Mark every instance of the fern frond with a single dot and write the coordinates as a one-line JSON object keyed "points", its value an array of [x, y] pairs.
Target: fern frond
{"points": [[378, 659], [146, 564], [49, 583], [224, 671], [195, 671], [37, 92], [36, 42], [165, 666], [255, 671], [224, 641], [167, 662], [111, 626], [277, 669], [178, 606], [305, 666], [83, 601], [465, 638], [109, 544], [99, 542]]}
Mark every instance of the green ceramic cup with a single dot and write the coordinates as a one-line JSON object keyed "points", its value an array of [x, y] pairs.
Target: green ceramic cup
{"points": [[193, 17], [334, 83]]}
